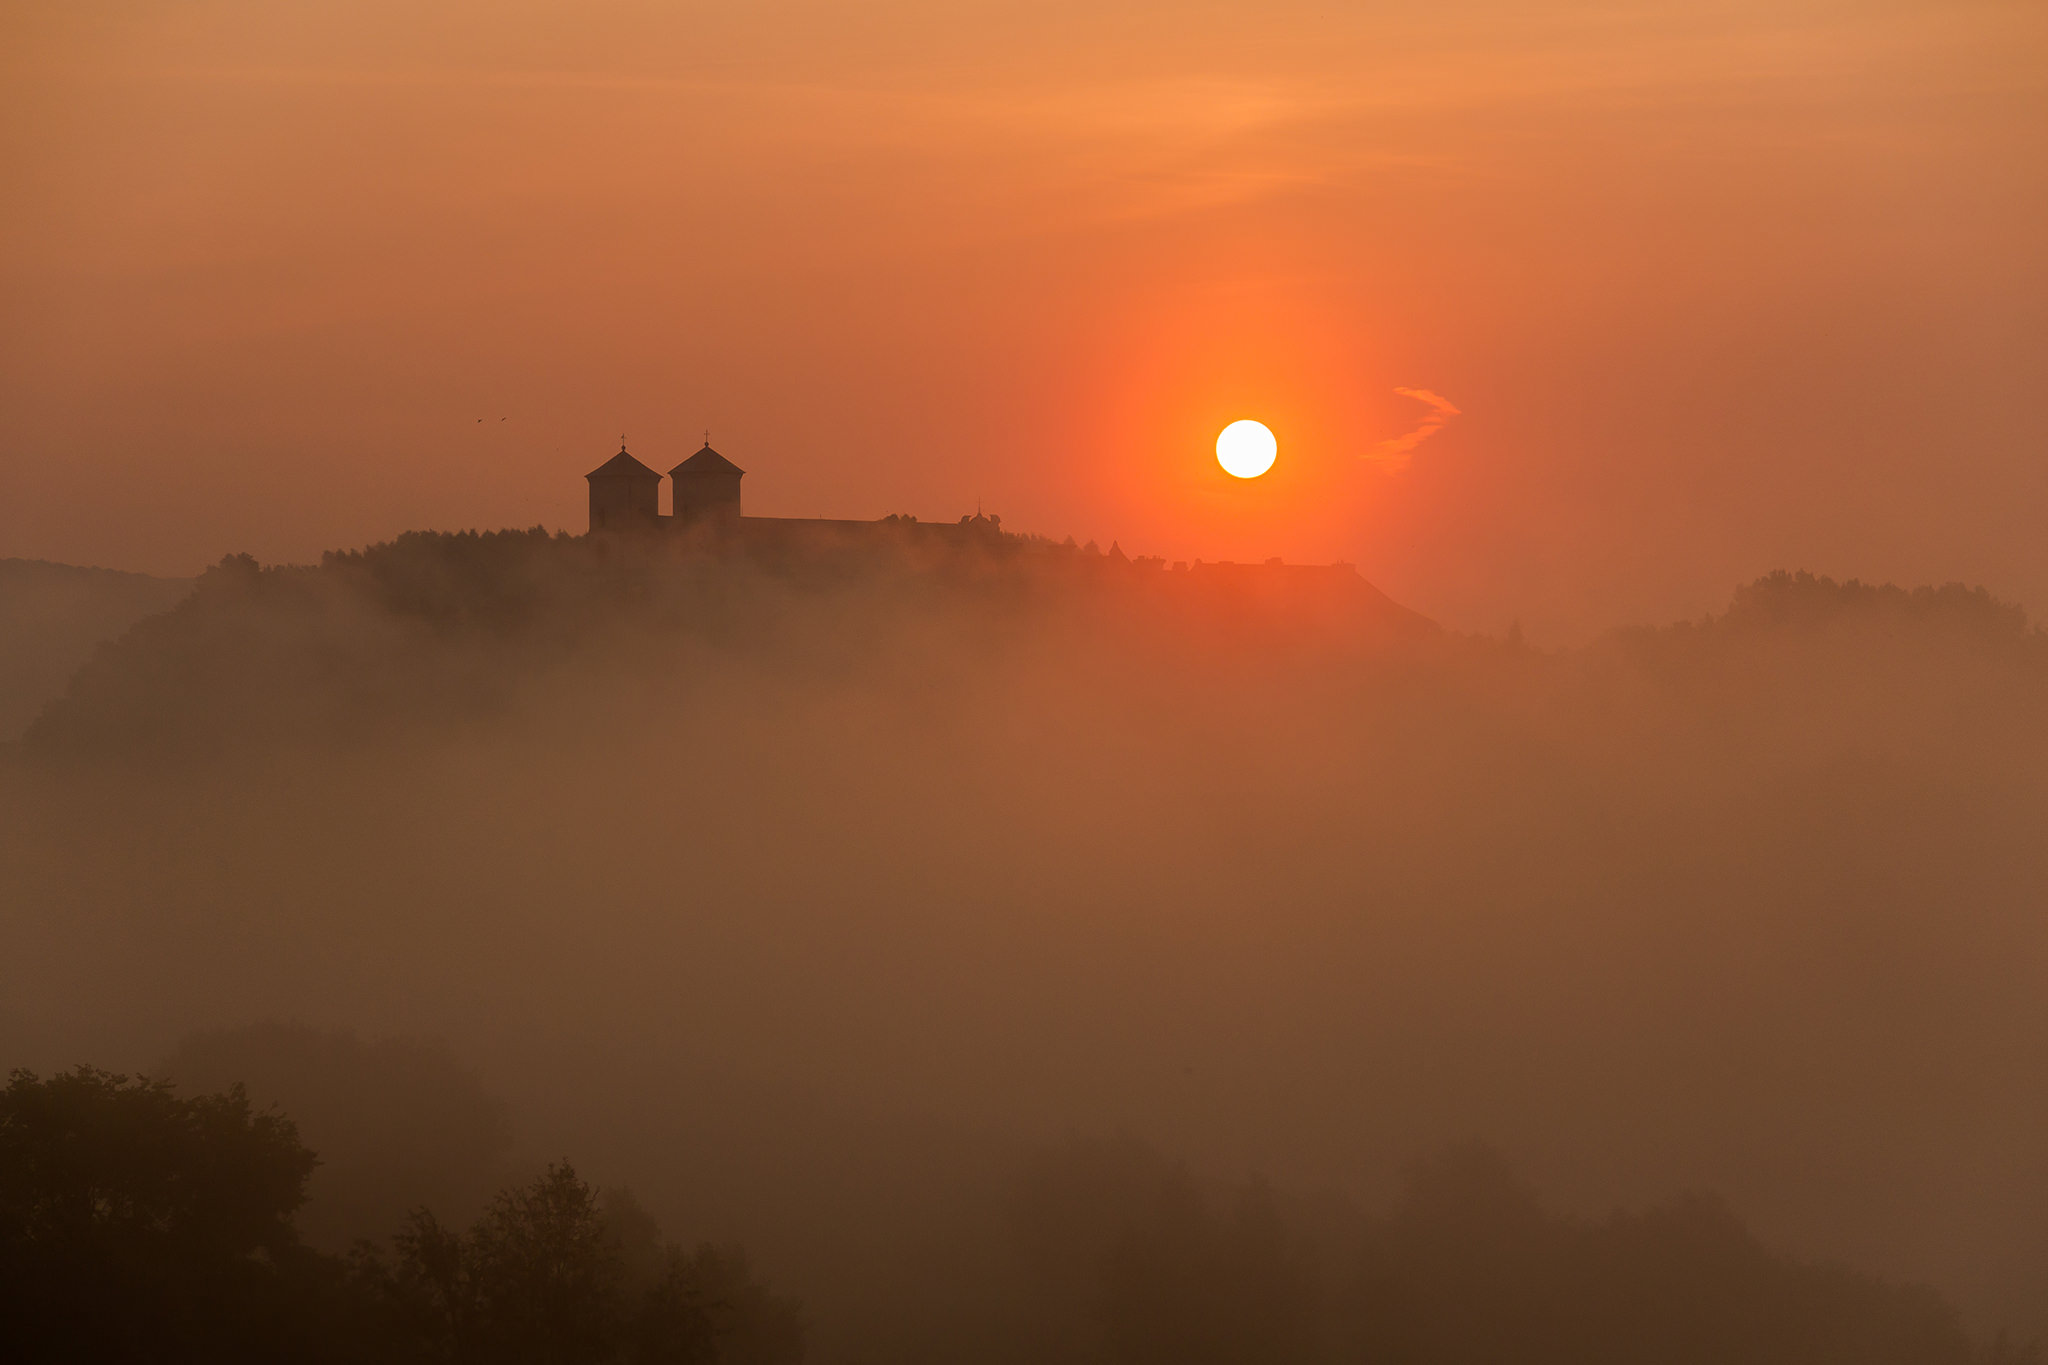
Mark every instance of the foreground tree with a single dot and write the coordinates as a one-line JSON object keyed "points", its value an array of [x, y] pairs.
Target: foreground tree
{"points": [[136, 1225]]}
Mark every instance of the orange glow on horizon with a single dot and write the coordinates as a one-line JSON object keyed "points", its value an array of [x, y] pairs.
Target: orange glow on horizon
{"points": [[268, 267]]}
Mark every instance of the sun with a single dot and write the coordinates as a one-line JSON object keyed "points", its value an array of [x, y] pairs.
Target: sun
{"points": [[1246, 448]]}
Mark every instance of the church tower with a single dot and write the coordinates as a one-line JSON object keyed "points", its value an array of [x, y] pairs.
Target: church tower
{"points": [[706, 488], [625, 495]]}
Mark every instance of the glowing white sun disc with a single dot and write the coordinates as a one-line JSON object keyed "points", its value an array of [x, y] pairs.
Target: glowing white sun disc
{"points": [[1246, 448]]}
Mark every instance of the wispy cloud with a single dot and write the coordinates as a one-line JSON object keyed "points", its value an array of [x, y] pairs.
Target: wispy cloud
{"points": [[1394, 454]]}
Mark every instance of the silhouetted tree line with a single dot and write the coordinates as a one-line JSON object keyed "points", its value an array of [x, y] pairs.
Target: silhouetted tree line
{"points": [[136, 1225], [1129, 1260], [1811, 612], [433, 628], [436, 628]]}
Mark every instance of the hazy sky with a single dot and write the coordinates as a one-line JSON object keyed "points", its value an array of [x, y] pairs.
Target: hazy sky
{"points": [[1716, 287]]}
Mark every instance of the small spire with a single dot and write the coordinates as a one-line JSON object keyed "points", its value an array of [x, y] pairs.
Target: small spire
{"points": [[707, 438], [622, 443]]}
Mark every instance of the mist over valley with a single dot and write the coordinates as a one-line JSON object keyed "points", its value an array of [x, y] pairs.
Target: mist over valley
{"points": [[870, 910]]}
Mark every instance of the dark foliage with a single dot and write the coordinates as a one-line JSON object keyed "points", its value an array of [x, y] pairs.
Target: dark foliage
{"points": [[552, 1275], [139, 1226]]}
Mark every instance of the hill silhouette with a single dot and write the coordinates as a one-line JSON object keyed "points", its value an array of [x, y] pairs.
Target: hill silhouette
{"points": [[52, 616], [434, 628]]}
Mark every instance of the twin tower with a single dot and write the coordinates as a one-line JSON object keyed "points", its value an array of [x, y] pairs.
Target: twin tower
{"points": [[626, 495]]}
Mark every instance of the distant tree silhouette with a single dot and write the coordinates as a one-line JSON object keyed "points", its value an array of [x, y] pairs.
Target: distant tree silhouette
{"points": [[1128, 1262], [1470, 1270], [1782, 599], [552, 1274], [536, 1279], [1127, 1259], [704, 1307]]}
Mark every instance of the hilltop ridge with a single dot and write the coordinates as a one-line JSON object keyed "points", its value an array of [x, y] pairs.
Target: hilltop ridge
{"points": [[52, 616], [436, 625]]}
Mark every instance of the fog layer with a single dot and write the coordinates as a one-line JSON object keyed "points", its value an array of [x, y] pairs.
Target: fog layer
{"points": [[804, 898], [52, 616]]}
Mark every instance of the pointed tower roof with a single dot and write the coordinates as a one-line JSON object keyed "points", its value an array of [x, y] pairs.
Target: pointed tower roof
{"points": [[622, 466], [706, 461]]}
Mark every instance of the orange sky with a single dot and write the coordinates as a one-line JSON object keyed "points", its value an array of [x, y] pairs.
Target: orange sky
{"points": [[1719, 287]]}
